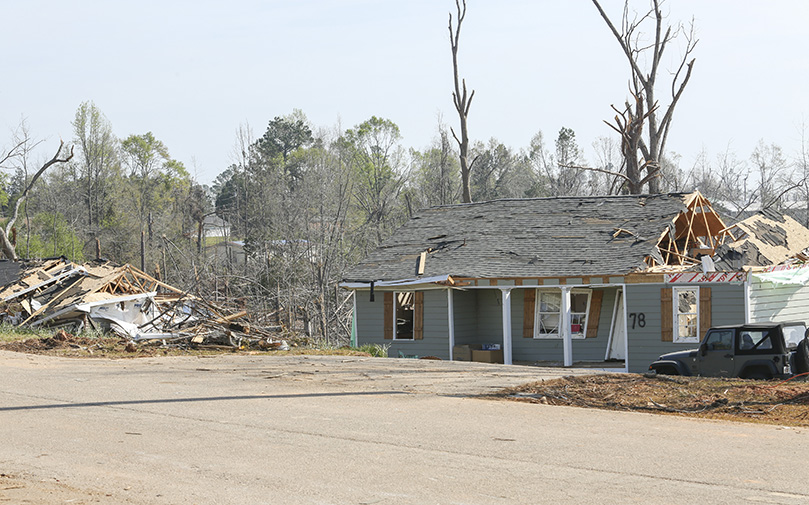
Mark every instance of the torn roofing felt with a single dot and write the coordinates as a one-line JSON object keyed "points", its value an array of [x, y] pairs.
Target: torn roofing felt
{"points": [[541, 237]]}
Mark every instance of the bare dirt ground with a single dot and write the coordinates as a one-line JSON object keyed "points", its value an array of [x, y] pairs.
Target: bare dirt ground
{"points": [[784, 403]]}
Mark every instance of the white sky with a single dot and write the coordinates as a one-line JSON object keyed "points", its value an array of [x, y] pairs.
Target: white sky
{"points": [[193, 71]]}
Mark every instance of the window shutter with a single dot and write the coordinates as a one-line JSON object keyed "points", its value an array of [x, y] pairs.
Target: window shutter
{"points": [[528, 303], [418, 315], [388, 315], [704, 311], [595, 312], [666, 316]]}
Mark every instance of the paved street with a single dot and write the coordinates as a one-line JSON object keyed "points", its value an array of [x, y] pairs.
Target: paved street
{"points": [[344, 430]]}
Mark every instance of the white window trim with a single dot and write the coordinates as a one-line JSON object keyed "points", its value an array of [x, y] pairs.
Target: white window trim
{"points": [[676, 338], [395, 319], [576, 336]]}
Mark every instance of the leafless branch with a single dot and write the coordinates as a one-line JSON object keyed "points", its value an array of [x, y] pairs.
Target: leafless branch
{"points": [[600, 170]]}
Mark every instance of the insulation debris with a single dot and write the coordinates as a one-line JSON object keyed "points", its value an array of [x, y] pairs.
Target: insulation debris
{"points": [[121, 299]]}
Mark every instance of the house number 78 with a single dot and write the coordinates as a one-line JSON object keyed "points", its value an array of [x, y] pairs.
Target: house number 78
{"points": [[638, 318]]}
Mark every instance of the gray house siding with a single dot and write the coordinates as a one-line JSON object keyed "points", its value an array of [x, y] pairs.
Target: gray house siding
{"points": [[490, 316], [464, 305], [645, 342], [778, 302], [370, 318], [371, 323]]}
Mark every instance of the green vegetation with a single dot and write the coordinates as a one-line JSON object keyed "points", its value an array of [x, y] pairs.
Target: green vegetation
{"points": [[10, 333], [375, 350]]}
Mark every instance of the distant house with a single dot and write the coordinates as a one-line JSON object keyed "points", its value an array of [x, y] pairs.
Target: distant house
{"points": [[215, 226], [576, 279]]}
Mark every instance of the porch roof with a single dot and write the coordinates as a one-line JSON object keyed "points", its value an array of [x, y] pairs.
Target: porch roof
{"points": [[539, 237]]}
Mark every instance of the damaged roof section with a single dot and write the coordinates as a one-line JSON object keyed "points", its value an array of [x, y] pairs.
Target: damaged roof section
{"points": [[103, 296], [763, 239], [578, 237], [564, 236]]}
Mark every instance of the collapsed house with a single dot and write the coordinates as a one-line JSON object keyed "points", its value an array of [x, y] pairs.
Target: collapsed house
{"points": [[576, 279], [102, 296]]}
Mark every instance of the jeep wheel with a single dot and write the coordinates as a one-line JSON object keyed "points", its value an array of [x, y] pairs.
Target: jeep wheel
{"points": [[757, 374], [802, 356]]}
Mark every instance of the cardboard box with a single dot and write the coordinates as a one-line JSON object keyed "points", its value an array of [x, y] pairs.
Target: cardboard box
{"points": [[464, 352], [487, 356]]}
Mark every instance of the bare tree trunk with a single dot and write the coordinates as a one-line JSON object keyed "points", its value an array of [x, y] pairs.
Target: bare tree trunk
{"points": [[462, 102]]}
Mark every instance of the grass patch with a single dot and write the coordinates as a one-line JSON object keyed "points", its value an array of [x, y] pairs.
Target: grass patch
{"points": [[9, 333]]}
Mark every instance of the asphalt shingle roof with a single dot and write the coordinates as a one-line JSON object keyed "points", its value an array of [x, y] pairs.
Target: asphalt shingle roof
{"points": [[539, 237]]}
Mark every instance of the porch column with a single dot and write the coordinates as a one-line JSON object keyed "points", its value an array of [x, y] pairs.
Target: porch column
{"points": [[626, 330], [506, 325], [354, 320], [450, 322], [567, 338]]}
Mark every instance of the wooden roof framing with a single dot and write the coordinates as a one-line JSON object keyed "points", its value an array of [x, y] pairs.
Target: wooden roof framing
{"points": [[697, 231]]}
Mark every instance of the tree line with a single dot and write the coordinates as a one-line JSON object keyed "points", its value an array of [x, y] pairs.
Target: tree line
{"points": [[301, 202]]}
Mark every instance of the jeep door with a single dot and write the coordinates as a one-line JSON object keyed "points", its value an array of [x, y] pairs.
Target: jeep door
{"points": [[715, 356]]}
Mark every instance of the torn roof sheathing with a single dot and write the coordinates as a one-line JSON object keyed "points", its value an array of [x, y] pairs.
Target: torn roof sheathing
{"points": [[763, 239]]}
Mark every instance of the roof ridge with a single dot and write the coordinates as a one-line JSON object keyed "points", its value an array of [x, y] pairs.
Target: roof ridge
{"points": [[560, 197]]}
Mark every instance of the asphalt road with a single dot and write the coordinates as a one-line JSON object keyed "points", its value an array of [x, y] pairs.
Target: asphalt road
{"points": [[339, 430]]}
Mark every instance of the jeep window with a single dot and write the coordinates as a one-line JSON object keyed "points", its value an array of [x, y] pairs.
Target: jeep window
{"points": [[753, 341], [686, 314], [721, 340], [793, 334]]}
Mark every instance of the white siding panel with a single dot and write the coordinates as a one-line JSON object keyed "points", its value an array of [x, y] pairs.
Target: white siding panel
{"points": [[778, 302]]}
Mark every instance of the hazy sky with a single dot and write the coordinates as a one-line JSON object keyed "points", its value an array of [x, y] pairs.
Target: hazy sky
{"points": [[192, 71]]}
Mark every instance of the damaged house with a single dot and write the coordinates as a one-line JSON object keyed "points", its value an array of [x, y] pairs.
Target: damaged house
{"points": [[576, 279]]}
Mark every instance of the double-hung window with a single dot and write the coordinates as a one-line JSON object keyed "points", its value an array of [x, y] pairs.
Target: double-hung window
{"points": [[686, 314], [548, 315], [403, 329], [404, 315]]}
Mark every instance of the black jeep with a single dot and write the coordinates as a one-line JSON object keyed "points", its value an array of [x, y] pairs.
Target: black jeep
{"points": [[749, 351]]}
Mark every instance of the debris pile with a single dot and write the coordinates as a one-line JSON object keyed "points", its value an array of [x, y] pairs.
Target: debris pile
{"points": [[101, 296], [783, 403]]}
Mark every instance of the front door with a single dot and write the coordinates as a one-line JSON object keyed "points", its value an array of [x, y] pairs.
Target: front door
{"points": [[617, 344]]}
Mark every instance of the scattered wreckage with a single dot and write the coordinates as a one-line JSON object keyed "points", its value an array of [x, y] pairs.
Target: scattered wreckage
{"points": [[121, 299]]}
